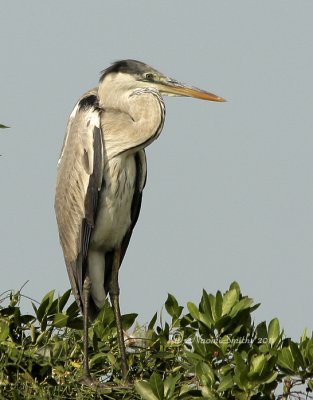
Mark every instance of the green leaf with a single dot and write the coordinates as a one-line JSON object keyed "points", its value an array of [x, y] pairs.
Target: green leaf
{"points": [[75, 323], [194, 311], [205, 374], [205, 304], [209, 306], [172, 307], [17, 316], [58, 348], [184, 390], [286, 360], [223, 343], [297, 356], [34, 308], [307, 351], [165, 355], [207, 320], [193, 357], [261, 332], [234, 285], [224, 323], [157, 385], [3, 126], [111, 358], [241, 373], [53, 308], [225, 369], [211, 309], [243, 304], [206, 393], [199, 347], [128, 320], [60, 320], [4, 330], [44, 322], [257, 364], [144, 389], [49, 296], [226, 383], [270, 378], [106, 316], [239, 362], [45, 305], [304, 335], [153, 321], [273, 331], [169, 385], [205, 347], [26, 319], [41, 338], [72, 310], [229, 300], [218, 305], [63, 300], [96, 357]]}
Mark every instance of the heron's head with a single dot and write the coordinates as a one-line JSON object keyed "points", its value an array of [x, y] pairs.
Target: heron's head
{"points": [[132, 74]]}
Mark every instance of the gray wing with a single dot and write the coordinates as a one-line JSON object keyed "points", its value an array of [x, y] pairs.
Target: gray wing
{"points": [[79, 181], [141, 175]]}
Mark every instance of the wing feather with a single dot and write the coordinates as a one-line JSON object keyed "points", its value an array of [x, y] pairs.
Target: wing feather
{"points": [[79, 181], [141, 175]]}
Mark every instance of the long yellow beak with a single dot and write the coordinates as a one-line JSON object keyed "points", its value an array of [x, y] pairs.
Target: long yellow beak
{"points": [[171, 87]]}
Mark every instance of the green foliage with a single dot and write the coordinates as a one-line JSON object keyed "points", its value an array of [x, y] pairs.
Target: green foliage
{"points": [[214, 351], [3, 126]]}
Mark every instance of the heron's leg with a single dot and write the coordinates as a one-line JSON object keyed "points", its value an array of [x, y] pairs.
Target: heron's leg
{"points": [[86, 378], [114, 295]]}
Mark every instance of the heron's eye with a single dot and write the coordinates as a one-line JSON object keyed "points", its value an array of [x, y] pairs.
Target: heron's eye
{"points": [[149, 76]]}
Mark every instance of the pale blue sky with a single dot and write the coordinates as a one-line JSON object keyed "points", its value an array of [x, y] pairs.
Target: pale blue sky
{"points": [[229, 193]]}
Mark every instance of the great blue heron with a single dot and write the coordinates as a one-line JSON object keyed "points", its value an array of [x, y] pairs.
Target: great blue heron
{"points": [[101, 176]]}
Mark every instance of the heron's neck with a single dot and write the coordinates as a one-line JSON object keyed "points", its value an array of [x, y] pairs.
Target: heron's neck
{"points": [[130, 119], [113, 92]]}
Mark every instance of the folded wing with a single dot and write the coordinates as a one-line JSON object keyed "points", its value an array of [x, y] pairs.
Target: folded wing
{"points": [[79, 181]]}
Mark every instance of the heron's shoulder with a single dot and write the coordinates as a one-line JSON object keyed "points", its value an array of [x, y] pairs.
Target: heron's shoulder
{"points": [[88, 99], [88, 103]]}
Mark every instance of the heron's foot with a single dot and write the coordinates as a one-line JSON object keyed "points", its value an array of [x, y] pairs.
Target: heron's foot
{"points": [[87, 380]]}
